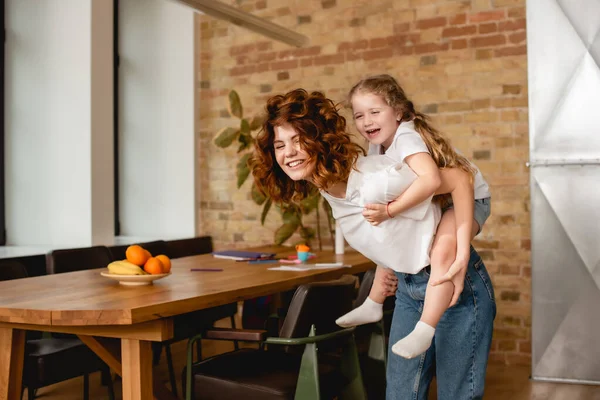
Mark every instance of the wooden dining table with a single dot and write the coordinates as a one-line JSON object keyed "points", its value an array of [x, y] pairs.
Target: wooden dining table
{"points": [[119, 322]]}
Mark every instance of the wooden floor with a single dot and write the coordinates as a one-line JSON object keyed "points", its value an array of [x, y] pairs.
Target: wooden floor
{"points": [[503, 382]]}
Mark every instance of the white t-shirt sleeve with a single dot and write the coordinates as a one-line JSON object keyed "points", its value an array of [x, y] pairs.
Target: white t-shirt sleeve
{"points": [[405, 144]]}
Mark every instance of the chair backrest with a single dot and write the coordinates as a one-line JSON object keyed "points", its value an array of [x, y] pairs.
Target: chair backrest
{"points": [[69, 260], [190, 247], [12, 270], [365, 287], [155, 248], [319, 304]]}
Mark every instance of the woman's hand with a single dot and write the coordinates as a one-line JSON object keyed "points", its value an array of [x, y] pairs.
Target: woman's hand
{"points": [[389, 284], [456, 274], [375, 213]]}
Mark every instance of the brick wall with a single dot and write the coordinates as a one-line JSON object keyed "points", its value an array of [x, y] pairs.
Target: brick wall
{"points": [[462, 62]]}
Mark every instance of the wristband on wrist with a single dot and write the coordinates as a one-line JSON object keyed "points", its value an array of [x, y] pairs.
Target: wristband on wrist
{"points": [[387, 210]]}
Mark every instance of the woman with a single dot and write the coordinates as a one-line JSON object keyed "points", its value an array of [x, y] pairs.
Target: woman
{"points": [[303, 147]]}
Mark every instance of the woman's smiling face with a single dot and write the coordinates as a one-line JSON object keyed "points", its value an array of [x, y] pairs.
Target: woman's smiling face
{"points": [[290, 155]]}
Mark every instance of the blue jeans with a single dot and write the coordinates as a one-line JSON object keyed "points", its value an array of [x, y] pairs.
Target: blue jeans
{"points": [[459, 353]]}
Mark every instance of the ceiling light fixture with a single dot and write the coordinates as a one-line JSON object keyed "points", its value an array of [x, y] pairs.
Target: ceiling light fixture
{"points": [[223, 11]]}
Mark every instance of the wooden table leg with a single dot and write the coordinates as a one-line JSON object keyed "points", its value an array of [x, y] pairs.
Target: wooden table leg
{"points": [[12, 353], [136, 362]]}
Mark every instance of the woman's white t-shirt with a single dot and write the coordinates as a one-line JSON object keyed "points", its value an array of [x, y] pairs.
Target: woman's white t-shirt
{"points": [[401, 243], [407, 141]]}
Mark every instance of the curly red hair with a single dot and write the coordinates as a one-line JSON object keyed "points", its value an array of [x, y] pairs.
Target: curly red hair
{"points": [[322, 134]]}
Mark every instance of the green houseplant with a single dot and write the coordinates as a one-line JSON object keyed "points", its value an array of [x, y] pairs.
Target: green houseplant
{"points": [[292, 214]]}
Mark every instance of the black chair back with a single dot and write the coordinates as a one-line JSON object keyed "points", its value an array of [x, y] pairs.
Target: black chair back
{"points": [[69, 260], [155, 248], [190, 247], [12, 270], [319, 304]]}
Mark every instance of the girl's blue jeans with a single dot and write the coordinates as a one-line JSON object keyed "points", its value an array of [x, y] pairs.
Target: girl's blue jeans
{"points": [[459, 353]]}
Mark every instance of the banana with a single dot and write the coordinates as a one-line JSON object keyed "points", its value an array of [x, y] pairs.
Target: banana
{"points": [[124, 267]]}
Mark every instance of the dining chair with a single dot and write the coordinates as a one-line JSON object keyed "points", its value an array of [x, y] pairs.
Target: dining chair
{"points": [[155, 248], [188, 325], [311, 359], [49, 360], [77, 259], [372, 340]]}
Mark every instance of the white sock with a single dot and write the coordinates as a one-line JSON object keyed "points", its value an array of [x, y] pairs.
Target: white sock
{"points": [[415, 343], [368, 312]]}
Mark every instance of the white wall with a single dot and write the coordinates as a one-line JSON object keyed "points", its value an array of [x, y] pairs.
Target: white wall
{"points": [[156, 119], [49, 131]]}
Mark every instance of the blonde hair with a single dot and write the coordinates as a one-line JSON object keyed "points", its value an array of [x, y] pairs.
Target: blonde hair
{"points": [[439, 146]]}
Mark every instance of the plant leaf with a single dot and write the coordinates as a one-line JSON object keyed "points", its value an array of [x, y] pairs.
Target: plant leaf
{"points": [[291, 216], [235, 104], [257, 122], [226, 136], [265, 211], [257, 195], [307, 233], [310, 203], [284, 232], [245, 138], [243, 170]]}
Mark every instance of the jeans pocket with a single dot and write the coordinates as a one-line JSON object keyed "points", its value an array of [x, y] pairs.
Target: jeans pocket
{"points": [[485, 278]]}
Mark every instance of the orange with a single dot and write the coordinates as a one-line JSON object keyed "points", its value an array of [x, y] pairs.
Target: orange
{"points": [[166, 262], [154, 266], [137, 255]]}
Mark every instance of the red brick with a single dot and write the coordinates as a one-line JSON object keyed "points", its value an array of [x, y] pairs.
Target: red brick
{"points": [[378, 42], [360, 44], [405, 50], [488, 28], [487, 16], [344, 46], [459, 44], [403, 27], [525, 346], [459, 31], [431, 47], [487, 41], [279, 65], [401, 40], [264, 46], [431, 23], [507, 345], [518, 359], [518, 37], [307, 52], [329, 59], [517, 12], [512, 25], [483, 54], [511, 89], [262, 67], [242, 70], [458, 19], [306, 62], [376, 54], [243, 49], [511, 51]]}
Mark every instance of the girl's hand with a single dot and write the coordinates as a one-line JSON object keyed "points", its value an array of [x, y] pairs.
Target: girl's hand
{"points": [[375, 213], [456, 274]]}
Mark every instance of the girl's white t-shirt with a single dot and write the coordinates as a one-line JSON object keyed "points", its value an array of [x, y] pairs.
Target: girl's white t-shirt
{"points": [[401, 243], [407, 141]]}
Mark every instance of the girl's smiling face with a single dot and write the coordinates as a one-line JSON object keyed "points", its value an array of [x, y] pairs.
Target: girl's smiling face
{"points": [[374, 118], [290, 155]]}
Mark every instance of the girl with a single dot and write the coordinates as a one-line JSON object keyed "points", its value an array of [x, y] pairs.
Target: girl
{"points": [[387, 119], [304, 146]]}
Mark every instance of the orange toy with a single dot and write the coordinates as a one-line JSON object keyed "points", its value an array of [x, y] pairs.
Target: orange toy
{"points": [[154, 266], [166, 262], [137, 255], [302, 247]]}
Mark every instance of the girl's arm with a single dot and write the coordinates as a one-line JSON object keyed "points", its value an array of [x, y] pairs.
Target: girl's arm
{"points": [[459, 184], [426, 185]]}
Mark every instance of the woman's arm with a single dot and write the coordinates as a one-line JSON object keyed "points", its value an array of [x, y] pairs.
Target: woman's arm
{"points": [[426, 185]]}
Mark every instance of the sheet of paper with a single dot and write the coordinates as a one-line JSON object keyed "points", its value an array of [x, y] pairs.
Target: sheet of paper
{"points": [[308, 267]]}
